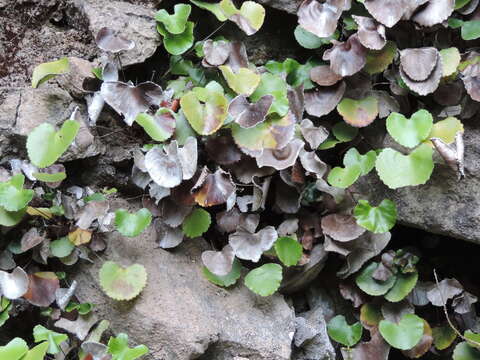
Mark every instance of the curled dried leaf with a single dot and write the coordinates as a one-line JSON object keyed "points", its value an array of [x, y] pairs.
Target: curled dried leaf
{"points": [[388, 12], [346, 58], [13, 285], [322, 101], [219, 262], [213, 189], [282, 158], [341, 227], [248, 245], [129, 100], [434, 12], [109, 40], [319, 18], [248, 115], [41, 288], [323, 75], [370, 33]]}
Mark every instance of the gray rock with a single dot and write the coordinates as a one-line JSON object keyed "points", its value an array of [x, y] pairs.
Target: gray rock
{"points": [[72, 82], [289, 6], [23, 109], [311, 338], [443, 205], [180, 315], [135, 22]]}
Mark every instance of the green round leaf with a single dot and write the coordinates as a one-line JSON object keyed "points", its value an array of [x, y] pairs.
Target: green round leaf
{"points": [[378, 219], [264, 280], [45, 145], [48, 70], [273, 84], [118, 348], [450, 60], [37, 353], [344, 132], [273, 133], [369, 285], [358, 113], [404, 335], [132, 225], [446, 130], [13, 197], [370, 315], [366, 162], [443, 337], [344, 177], [50, 178], [11, 218], [159, 127], [398, 170], [309, 40], [205, 110], [463, 351], [402, 287], [122, 283], [196, 223], [379, 60], [227, 280], [14, 350], [62, 247], [288, 250], [177, 22], [410, 132], [470, 30], [54, 339], [341, 332], [243, 82], [177, 44]]}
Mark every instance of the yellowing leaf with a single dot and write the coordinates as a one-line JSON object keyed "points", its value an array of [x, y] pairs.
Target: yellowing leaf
{"points": [[80, 237]]}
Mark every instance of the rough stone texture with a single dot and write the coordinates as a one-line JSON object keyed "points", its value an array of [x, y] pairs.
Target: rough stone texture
{"points": [[311, 338], [37, 31], [289, 6], [22, 110], [180, 315], [443, 205], [131, 21]]}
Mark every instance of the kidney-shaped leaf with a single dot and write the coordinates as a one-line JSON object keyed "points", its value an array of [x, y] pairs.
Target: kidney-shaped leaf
{"points": [[196, 223], [45, 145], [177, 22], [130, 100], [48, 70], [243, 81], [177, 44], [398, 170], [404, 335], [274, 133], [322, 101], [358, 113], [248, 115], [134, 224], [13, 285], [410, 132], [347, 58], [341, 227], [213, 189], [339, 330], [14, 350], [118, 348], [402, 287], [288, 250], [368, 284], [109, 40], [264, 280], [160, 126], [121, 283], [249, 245], [13, 197], [319, 18], [41, 288], [219, 263], [377, 219], [205, 109], [227, 280]]}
